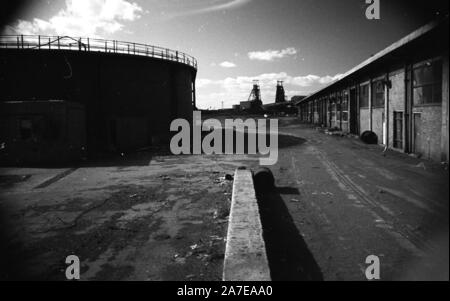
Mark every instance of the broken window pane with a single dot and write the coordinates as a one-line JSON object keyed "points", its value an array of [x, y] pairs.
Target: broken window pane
{"points": [[427, 83], [364, 96]]}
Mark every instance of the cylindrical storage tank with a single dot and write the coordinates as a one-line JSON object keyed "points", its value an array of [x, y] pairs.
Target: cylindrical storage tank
{"points": [[130, 96]]}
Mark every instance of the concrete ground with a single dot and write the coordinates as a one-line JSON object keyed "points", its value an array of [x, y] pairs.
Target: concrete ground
{"points": [[340, 201], [135, 218], [165, 218]]}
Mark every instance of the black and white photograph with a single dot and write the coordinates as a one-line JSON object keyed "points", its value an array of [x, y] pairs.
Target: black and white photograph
{"points": [[224, 146]]}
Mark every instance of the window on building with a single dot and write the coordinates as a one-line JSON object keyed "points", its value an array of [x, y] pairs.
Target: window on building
{"points": [[398, 130], [345, 106], [333, 110], [378, 94], [364, 96], [427, 83], [310, 111], [339, 106]]}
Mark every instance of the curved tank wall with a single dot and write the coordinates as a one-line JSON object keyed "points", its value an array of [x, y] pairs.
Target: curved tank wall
{"points": [[129, 100]]}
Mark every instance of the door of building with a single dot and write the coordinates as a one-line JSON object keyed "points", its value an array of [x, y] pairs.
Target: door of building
{"points": [[353, 112], [417, 136]]}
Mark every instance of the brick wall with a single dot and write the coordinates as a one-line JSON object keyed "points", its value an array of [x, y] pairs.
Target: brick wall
{"points": [[429, 145], [445, 111], [396, 100], [377, 123], [364, 120]]}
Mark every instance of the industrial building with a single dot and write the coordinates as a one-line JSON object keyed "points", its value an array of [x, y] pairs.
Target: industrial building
{"points": [[255, 103], [126, 94], [400, 94]]}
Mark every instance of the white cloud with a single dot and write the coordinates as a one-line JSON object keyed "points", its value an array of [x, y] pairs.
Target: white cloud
{"points": [[203, 82], [270, 55], [227, 65], [215, 5], [272, 78], [83, 18], [233, 90], [306, 81]]}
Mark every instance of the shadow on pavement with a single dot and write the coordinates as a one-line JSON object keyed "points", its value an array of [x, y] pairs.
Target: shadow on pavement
{"points": [[287, 191], [13, 266], [288, 254], [142, 157]]}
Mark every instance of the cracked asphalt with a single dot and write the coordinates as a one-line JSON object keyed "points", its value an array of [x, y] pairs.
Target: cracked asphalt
{"points": [[349, 200], [147, 218], [165, 218]]}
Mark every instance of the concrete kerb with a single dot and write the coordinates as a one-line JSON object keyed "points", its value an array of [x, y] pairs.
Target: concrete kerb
{"points": [[245, 254]]}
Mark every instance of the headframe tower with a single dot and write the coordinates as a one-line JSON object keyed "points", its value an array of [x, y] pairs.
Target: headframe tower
{"points": [[280, 96], [255, 95]]}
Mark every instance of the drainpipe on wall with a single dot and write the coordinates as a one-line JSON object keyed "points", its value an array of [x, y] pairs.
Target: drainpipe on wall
{"points": [[349, 118], [387, 86], [370, 105], [408, 144]]}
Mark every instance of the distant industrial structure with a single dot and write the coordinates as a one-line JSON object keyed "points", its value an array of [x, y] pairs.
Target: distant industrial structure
{"points": [[400, 94], [280, 107], [280, 95], [254, 101], [117, 96]]}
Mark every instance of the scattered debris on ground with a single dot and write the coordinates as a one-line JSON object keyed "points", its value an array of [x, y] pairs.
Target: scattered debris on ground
{"points": [[118, 220]]}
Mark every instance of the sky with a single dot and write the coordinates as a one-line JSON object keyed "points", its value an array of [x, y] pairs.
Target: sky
{"points": [[305, 43]]}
